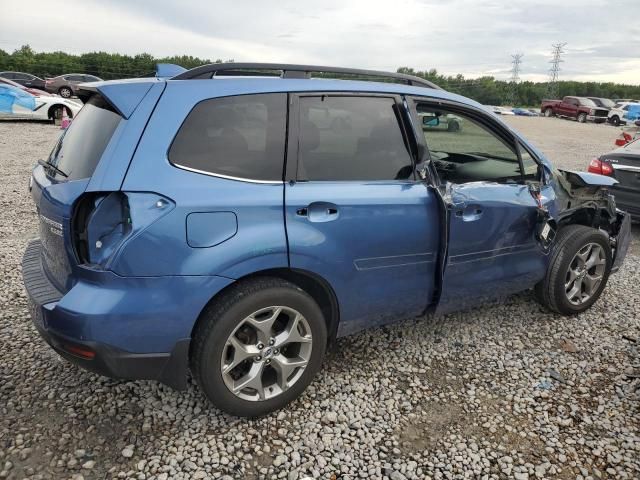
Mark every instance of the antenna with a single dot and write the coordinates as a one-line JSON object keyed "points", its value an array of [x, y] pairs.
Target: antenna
{"points": [[554, 71], [512, 95]]}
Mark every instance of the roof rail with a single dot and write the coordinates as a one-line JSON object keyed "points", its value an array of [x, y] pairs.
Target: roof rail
{"points": [[293, 71]]}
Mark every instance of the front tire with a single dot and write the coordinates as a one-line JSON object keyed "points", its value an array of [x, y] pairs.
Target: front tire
{"points": [[578, 270], [582, 117], [453, 126], [615, 121], [258, 346]]}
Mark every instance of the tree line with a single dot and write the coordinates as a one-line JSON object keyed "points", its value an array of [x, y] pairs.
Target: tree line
{"points": [[486, 90]]}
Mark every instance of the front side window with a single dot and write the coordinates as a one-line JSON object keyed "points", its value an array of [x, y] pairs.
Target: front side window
{"points": [[241, 137], [344, 138], [464, 150]]}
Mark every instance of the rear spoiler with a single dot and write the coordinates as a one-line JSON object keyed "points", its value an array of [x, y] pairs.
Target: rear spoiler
{"points": [[125, 95]]}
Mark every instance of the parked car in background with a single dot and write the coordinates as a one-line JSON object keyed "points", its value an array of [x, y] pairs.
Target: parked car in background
{"points": [[579, 108], [523, 112], [24, 79], [173, 237], [500, 110], [603, 102], [67, 85], [623, 164], [623, 113], [32, 91], [16, 103], [625, 100]]}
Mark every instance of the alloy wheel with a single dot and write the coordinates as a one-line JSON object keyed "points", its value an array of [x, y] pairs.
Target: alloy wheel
{"points": [[585, 273], [266, 353]]}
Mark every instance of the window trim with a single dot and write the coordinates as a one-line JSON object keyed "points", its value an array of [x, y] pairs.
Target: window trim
{"points": [[222, 175], [481, 117], [291, 154]]}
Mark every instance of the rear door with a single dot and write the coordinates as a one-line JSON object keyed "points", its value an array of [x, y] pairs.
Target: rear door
{"points": [[355, 214], [492, 216]]}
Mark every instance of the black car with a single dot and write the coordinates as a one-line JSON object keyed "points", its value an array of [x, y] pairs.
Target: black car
{"points": [[25, 79], [603, 102], [623, 164]]}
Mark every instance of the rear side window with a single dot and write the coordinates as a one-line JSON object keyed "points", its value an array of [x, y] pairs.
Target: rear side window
{"points": [[351, 139], [241, 137], [78, 151]]}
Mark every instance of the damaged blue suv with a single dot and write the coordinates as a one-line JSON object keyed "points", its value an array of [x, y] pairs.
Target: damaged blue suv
{"points": [[234, 219]]}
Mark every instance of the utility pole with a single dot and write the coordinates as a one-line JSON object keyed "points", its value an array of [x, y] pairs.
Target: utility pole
{"points": [[515, 78], [554, 71]]}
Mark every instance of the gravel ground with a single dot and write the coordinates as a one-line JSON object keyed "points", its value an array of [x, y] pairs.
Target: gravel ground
{"points": [[505, 391]]}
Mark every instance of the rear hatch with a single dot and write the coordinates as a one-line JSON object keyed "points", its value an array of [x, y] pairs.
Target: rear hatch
{"points": [[59, 183]]}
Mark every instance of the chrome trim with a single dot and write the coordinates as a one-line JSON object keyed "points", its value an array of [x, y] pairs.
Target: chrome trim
{"points": [[228, 177], [631, 168]]}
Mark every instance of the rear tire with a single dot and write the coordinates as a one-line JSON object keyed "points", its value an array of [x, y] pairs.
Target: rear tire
{"points": [[548, 112], [556, 288], [65, 92], [582, 117], [232, 332]]}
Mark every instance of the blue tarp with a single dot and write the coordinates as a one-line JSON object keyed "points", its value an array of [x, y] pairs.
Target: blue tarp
{"points": [[10, 96]]}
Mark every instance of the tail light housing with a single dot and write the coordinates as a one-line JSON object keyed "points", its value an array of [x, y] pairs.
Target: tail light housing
{"points": [[600, 167], [623, 139], [103, 222]]}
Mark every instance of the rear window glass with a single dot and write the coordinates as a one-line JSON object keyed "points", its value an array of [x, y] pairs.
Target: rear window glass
{"points": [[79, 149], [242, 137]]}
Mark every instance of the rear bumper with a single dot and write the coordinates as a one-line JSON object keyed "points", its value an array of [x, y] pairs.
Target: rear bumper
{"points": [[133, 328], [623, 240]]}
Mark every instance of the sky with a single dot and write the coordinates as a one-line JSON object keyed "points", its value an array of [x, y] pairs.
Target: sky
{"points": [[470, 37]]}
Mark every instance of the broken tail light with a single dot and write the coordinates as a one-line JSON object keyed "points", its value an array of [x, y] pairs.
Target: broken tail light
{"points": [[623, 139], [103, 222], [600, 167]]}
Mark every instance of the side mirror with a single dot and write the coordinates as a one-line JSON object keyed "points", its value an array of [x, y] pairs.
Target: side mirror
{"points": [[430, 121]]}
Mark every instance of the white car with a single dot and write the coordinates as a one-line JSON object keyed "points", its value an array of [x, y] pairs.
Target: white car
{"points": [[501, 111], [623, 113], [34, 107]]}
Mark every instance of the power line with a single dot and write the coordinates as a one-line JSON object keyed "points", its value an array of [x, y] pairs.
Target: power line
{"points": [[554, 71], [515, 77]]}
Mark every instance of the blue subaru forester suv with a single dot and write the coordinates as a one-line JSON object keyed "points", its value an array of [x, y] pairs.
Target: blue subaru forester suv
{"points": [[233, 220]]}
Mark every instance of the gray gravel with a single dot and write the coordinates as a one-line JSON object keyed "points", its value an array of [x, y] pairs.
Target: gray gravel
{"points": [[505, 391]]}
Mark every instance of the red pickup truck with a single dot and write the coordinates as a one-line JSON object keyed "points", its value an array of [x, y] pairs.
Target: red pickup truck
{"points": [[580, 108]]}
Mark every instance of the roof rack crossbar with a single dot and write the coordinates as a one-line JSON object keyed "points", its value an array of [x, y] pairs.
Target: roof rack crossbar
{"points": [[294, 71]]}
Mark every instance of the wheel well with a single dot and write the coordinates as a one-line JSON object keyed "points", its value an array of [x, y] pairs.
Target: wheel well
{"points": [[314, 285], [52, 110]]}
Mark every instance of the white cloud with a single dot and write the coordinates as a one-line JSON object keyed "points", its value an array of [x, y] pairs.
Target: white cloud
{"points": [[454, 36]]}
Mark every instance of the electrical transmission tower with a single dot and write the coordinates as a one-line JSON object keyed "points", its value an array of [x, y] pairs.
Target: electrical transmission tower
{"points": [[515, 78], [554, 71]]}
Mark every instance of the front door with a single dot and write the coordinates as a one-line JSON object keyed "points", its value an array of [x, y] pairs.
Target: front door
{"points": [[493, 216], [355, 214]]}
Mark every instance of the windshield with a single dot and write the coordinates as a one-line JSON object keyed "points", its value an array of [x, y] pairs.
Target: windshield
{"points": [[79, 149], [607, 103], [587, 103]]}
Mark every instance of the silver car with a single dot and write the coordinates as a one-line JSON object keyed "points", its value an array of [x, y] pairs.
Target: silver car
{"points": [[67, 85]]}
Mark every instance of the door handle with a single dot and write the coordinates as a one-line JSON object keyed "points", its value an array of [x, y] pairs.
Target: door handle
{"points": [[319, 212]]}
